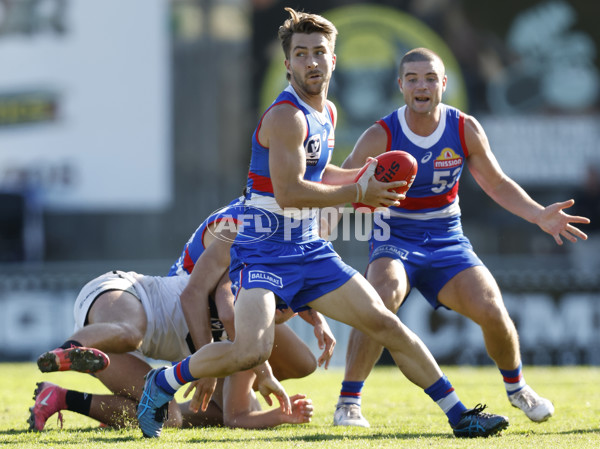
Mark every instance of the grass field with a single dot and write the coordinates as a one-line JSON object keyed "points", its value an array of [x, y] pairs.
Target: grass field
{"points": [[401, 415]]}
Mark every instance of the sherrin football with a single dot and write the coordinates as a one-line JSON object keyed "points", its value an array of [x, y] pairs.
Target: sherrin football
{"points": [[392, 166]]}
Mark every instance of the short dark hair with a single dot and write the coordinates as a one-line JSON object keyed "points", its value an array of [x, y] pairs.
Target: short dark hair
{"points": [[302, 22], [418, 55]]}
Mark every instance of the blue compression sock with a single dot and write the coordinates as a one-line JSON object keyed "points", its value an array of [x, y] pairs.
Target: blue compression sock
{"points": [[442, 392], [172, 379], [513, 379], [350, 393]]}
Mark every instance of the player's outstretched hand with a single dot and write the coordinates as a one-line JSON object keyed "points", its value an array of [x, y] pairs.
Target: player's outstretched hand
{"points": [[204, 389], [326, 342], [557, 223], [268, 385], [272, 386], [323, 333], [302, 410]]}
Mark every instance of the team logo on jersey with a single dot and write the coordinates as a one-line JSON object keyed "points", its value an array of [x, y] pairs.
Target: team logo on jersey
{"points": [[313, 150], [263, 276], [447, 159]]}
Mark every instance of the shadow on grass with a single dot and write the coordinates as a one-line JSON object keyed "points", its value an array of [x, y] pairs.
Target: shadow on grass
{"points": [[66, 437], [529, 432], [93, 434], [318, 437], [96, 435], [578, 431]]}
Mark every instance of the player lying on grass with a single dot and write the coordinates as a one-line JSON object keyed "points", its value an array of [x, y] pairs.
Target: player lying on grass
{"points": [[206, 259], [158, 319], [130, 315]]}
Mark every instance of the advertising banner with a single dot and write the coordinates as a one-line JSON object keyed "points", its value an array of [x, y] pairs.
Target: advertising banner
{"points": [[84, 103]]}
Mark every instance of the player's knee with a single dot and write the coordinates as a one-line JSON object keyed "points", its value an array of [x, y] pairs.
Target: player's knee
{"points": [[306, 365], [493, 314], [390, 292], [250, 360], [249, 356], [390, 323], [130, 336], [311, 366], [387, 326]]}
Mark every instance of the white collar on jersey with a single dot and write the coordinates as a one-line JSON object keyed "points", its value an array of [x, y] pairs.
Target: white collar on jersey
{"points": [[423, 141], [320, 116]]}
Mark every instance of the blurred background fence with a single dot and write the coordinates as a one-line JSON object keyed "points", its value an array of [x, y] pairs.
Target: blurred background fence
{"points": [[124, 124]]}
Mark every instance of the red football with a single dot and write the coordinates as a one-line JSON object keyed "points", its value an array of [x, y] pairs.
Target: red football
{"points": [[392, 166]]}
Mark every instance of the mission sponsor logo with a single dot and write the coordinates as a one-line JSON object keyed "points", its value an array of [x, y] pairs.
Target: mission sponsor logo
{"points": [[447, 159], [263, 276]]}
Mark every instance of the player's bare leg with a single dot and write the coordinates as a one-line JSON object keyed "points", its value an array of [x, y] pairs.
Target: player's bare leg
{"points": [[116, 323], [389, 279], [124, 377], [357, 304], [290, 358], [255, 331], [474, 293]]}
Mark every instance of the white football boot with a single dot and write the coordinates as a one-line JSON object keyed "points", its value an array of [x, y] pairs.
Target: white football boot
{"points": [[537, 408], [349, 415]]}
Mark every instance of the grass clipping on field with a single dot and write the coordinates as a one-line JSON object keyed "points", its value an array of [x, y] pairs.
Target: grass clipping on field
{"points": [[400, 413]]}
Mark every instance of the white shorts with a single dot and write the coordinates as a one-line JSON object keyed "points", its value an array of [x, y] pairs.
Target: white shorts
{"points": [[166, 331]]}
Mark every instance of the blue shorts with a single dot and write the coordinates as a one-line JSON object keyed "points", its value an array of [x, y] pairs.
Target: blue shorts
{"points": [[431, 258], [296, 273]]}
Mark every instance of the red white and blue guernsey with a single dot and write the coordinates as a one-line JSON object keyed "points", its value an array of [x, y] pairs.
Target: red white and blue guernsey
{"points": [[193, 249], [291, 225], [228, 216], [280, 250], [425, 231]]}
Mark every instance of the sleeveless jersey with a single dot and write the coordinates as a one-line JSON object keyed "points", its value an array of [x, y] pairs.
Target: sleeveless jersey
{"points": [[193, 249], [441, 156], [288, 225]]}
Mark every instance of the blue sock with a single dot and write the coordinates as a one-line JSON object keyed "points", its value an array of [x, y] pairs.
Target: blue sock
{"points": [[350, 393], [172, 379], [513, 379], [442, 392]]}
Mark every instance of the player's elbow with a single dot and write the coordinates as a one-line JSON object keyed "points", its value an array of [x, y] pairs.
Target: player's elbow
{"points": [[187, 296], [238, 421], [285, 199], [230, 421], [227, 319], [289, 194]]}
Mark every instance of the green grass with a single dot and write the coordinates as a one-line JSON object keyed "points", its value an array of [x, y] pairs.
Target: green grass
{"points": [[401, 415]]}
